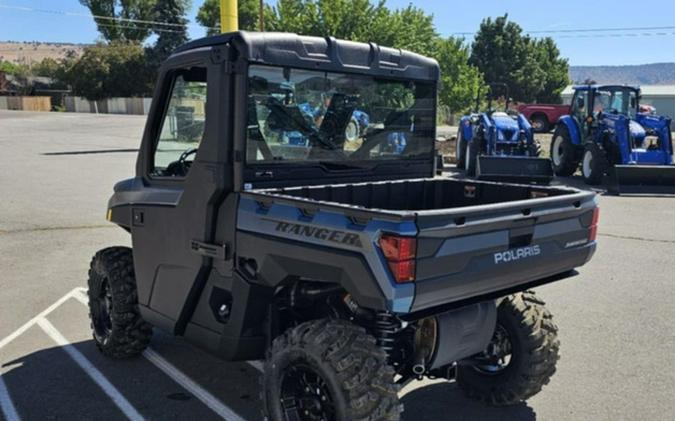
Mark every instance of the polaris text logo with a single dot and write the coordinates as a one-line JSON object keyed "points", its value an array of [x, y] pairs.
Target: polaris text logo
{"points": [[335, 236], [517, 254]]}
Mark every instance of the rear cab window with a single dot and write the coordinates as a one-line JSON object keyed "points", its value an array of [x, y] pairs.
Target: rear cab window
{"points": [[341, 119]]}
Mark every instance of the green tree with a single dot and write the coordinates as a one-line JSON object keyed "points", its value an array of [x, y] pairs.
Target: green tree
{"points": [[555, 70], [249, 11], [110, 11], [169, 37], [460, 81], [118, 69], [531, 68]]}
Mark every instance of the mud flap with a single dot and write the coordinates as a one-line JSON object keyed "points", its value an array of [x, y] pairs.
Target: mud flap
{"points": [[643, 179], [517, 169]]}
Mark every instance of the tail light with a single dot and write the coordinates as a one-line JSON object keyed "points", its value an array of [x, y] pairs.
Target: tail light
{"points": [[593, 229], [400, 254]]}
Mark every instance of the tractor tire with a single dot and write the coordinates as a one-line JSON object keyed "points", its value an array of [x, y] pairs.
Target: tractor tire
{"points": [[563, 153], [534, 150], [118, 329], [328, 369], [540, 124], [352, 131], [472, 151], [531, 339], [593, 164], [460, 150]]}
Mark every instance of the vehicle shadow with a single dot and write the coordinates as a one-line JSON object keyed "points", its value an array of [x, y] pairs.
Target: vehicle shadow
{"points": [[445, 401], [49, 384]]}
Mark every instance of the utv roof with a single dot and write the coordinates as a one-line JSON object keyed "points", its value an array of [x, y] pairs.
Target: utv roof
{"points": [[328, 54]]}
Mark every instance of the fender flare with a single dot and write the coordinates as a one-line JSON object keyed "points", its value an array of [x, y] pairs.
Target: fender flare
{"points": [[572, 129]]}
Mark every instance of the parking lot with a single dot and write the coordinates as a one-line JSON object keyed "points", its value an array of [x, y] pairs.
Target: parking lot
{"points": [[616, 318]]}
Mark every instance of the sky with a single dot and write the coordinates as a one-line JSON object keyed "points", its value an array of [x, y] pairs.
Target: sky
{"points": [[46, 23]]}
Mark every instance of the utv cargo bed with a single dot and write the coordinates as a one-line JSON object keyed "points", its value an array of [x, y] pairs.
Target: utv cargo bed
{"points": [[474, 239]]}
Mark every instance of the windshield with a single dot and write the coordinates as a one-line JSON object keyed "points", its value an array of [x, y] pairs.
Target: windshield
{"points": [[303, 115], [617, 101]]}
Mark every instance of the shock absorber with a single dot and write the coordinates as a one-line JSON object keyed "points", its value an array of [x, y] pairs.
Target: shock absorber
{"points": [[386, 326]]}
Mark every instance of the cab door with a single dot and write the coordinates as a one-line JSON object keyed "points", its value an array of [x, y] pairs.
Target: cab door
{"points": [[581, 110], [182, 166]]}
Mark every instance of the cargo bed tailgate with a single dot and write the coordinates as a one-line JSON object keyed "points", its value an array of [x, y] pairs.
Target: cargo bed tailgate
{"points": [[473, 252]]}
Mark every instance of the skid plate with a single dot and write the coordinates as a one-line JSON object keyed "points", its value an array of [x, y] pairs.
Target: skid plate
{"points": [[519, 169], [644, 179]]}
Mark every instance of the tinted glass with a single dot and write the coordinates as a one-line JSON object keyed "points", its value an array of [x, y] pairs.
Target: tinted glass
{"points": [[183, 125], [300, 115]]}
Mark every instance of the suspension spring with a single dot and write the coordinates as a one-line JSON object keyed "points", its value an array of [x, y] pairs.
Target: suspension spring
{"points": [[386, 326]]}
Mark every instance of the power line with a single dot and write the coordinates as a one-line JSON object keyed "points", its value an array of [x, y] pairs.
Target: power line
{"points": [[85, 15], [594, 31]]}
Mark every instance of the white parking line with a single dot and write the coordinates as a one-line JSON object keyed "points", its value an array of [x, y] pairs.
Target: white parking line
{"points": [[179, 377], [199, 392], [92, 371], [6, 404], [9, 338]]}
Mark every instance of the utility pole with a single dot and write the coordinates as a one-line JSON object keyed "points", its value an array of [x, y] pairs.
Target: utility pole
{"points": [[262, 16], [229, 16]]}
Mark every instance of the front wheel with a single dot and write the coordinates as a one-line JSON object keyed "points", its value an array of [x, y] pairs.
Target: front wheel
{"points": [[118, 329], [521, 357], [472, 157], [593, 164], [352, 131], [460, 150], [328, 370], [563, 153]]}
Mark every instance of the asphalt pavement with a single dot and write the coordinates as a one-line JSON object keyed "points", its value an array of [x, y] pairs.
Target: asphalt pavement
{"points": [[616, 318]]}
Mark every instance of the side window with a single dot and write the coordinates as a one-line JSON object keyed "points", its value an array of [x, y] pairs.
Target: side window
{"points": [[183, 124], [580, 105]]}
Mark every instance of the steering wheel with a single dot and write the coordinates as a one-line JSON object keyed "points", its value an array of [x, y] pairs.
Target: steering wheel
{"points": [[181, 167]]}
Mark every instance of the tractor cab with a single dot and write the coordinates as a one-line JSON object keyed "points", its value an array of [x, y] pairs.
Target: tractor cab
{"points": [[607, 131]]}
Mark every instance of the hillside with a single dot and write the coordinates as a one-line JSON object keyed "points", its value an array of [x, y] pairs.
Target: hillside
{"points": [[34, 52], [644, 74]]}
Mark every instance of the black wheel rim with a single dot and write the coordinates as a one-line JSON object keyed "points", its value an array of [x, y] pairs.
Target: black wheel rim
{"points": [[499, 353], [101, 311], [305, 395]]}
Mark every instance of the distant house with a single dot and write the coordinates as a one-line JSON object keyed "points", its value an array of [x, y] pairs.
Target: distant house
{"points": [[661, 97]]}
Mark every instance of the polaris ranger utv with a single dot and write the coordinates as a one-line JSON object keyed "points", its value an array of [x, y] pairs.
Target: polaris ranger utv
{"points": [[343, 264]]}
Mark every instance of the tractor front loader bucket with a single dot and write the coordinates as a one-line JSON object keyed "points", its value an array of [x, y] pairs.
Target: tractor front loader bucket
{"points": [[517, 169], [644, 179]]}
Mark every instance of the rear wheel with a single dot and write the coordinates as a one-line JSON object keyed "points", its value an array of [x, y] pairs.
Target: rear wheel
{"points": [[460, 150], [328, 370], [118, 329], [593, 164], [521, 357], [540, 124], [563, 153]]}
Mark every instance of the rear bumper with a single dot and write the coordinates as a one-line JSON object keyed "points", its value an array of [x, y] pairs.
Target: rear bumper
{"points": [[488, 280]]}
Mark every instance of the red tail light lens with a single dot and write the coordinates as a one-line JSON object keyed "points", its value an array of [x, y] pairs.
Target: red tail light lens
{"points": [[400, 253], [593, 229]]}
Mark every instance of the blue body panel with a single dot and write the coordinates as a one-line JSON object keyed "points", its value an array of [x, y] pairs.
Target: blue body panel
{"points": [[255, 218], [630, 134], [572, 129]]}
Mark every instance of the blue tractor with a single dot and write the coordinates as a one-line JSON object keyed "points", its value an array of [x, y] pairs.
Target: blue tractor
{"points": [[607, 134], [500, 145]]}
